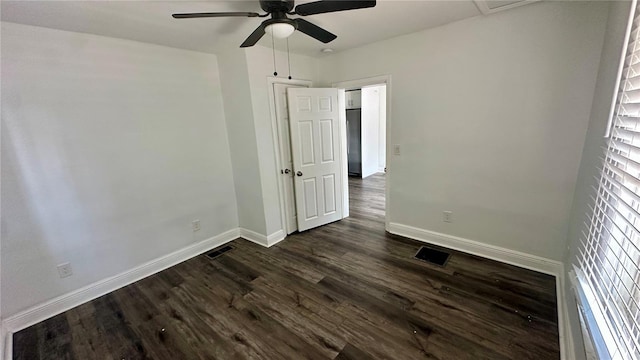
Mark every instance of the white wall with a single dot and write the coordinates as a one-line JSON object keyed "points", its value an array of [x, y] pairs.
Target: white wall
{"points": [[242, 140], [244, 74], [593, 147], [370, 130], [491, 114], [110, 148]]}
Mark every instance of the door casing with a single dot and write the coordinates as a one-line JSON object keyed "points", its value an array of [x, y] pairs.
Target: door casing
{"points": [[282, 122], [378, 80], [277, 144]]}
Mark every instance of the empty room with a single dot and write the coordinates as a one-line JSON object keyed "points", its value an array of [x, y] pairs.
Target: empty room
{"points": [[280, 179]]}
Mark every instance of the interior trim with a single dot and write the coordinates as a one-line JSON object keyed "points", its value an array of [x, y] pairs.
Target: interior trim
{"points": [[253, 236], [567, 347], [276, 237], [6, 343], [62, 303], [508, 256], [276, 139], [70, 300], [485, 9], [370, 81], [517, 258], [263, 240]]}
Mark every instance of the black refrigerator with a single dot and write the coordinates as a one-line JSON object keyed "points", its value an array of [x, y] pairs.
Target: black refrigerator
{"points": [[354, 142]]}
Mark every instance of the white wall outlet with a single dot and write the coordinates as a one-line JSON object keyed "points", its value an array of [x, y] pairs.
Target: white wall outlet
{"points": [[396, 149], [447, 216], [64, 270], [195, 225]]}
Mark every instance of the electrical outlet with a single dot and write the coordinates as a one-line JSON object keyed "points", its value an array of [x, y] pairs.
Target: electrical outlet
{"points": [[447, 216], [64, 270], [195, 225], [396, 149]]}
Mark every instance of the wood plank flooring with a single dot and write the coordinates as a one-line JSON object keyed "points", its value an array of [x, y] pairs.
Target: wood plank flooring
{"points": [[347, 290]]}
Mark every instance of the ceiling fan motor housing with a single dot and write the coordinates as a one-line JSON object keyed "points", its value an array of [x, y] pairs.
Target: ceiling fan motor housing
{"points": [[271, 6], [281, 20]]}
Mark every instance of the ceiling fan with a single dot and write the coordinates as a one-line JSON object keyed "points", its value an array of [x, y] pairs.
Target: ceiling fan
{"points": [[280, 26]]}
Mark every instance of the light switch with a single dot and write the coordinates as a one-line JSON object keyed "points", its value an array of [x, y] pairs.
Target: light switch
{"points": [[396, 149]]}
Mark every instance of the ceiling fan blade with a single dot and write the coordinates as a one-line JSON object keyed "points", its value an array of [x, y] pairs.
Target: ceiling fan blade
{"points": [[314, 31], [256, 35], [214, 14], [320, 7]]}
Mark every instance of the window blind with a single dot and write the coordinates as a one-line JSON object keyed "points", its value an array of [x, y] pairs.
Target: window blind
{"points": [[609, 254]]}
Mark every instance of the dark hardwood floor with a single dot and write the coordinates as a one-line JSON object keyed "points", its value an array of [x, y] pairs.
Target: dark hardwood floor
{"points": [[347, 290]]}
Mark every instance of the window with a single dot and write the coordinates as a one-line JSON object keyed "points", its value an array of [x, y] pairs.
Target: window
{"points": [[609, 260]]}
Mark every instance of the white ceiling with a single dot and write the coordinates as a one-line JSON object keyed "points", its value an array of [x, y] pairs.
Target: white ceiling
{"points": [[151, 21]]}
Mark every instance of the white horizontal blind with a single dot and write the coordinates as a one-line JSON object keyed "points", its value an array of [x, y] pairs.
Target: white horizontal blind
{"points": [[609, 257]]}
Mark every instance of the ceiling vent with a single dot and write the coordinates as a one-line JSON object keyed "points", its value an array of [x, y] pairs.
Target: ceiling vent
{"points": [[492, 6]]}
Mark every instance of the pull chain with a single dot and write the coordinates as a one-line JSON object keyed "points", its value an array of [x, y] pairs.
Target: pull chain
{"points": [[273, 46], [288, 59]]}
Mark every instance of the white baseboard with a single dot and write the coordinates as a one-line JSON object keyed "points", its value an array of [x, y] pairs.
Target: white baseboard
{"points": [[517, 258], [70, 300], [276, 237], [65, 302], [7, 342], [254, 237], [567, 349], [266, 241]]}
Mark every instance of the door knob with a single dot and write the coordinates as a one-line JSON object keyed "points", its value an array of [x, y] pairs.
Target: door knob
{"points": [[299, 173], [286, 171]]}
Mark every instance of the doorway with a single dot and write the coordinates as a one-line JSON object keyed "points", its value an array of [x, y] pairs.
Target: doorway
{"points": [[283, 137], [372, 168], [307, 132], [366, 130], [366, 116]]}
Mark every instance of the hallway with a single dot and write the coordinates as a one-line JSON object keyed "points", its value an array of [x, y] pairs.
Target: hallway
{"points": [[366, 199]]}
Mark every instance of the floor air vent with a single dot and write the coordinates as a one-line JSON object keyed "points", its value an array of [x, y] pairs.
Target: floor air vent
{"points": [[432, 256], [215, 253]]}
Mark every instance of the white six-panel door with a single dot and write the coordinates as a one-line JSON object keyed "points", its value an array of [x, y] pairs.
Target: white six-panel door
{"points": [[315, 144]]}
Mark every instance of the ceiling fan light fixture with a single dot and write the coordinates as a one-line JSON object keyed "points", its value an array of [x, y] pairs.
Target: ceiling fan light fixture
{"points": [[280, 30]]}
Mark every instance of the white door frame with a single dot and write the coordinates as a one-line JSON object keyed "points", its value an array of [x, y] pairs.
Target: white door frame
{"points": [[357, 84], [276, 139]]}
